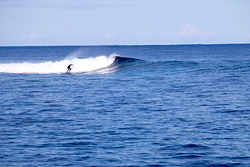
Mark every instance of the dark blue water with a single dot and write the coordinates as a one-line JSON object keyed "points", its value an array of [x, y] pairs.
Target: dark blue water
{"points": [[180, 105]]}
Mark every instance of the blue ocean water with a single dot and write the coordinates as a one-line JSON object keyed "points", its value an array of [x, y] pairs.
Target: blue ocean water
{"points": [[167, 105]]}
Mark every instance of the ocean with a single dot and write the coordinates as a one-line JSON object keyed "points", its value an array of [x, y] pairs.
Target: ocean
{"points": [[145, 105]]}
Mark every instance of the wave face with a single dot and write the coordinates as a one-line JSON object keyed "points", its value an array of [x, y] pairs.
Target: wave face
{"points": [[49, 67], [120, 63]]}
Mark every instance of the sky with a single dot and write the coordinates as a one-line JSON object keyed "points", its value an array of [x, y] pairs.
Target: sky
{"points": [[123, 22]]}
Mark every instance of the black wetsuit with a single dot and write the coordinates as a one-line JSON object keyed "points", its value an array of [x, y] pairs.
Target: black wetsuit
{"points": [[69, 69]]}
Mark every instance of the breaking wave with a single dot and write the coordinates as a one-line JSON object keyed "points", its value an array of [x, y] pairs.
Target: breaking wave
{"points": [[49, 67]]}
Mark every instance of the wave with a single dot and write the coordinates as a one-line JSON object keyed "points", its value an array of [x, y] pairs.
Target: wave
{"points": [[99, 65], [119, 63], [104, 64], [49, 67]]}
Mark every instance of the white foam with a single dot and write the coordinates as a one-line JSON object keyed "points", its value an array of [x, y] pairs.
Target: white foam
{"points": [[80, 65]]}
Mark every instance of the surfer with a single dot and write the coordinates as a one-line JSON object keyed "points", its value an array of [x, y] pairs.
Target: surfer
{"points": [[69, 67]]}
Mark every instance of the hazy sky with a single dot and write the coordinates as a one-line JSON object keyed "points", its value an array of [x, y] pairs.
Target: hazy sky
{"points": [[129, 22]]}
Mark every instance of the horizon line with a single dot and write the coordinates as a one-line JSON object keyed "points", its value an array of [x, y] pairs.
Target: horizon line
{"points": [[125, 44]]}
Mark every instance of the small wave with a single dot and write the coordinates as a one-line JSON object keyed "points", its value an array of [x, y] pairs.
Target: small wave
{"points": [[195, 146]]}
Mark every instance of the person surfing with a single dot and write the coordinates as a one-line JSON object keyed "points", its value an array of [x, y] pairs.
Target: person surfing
{"points": [[69, 68]]}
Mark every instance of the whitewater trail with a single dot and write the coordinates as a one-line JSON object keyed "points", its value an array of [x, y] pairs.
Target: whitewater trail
{"points": [[49, 67]]}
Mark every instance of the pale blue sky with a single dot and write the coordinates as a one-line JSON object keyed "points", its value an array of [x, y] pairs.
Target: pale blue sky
{"points": [[129, 22]]}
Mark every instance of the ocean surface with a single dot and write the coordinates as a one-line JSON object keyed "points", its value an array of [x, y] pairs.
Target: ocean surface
{"points": [[166, 105]]}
